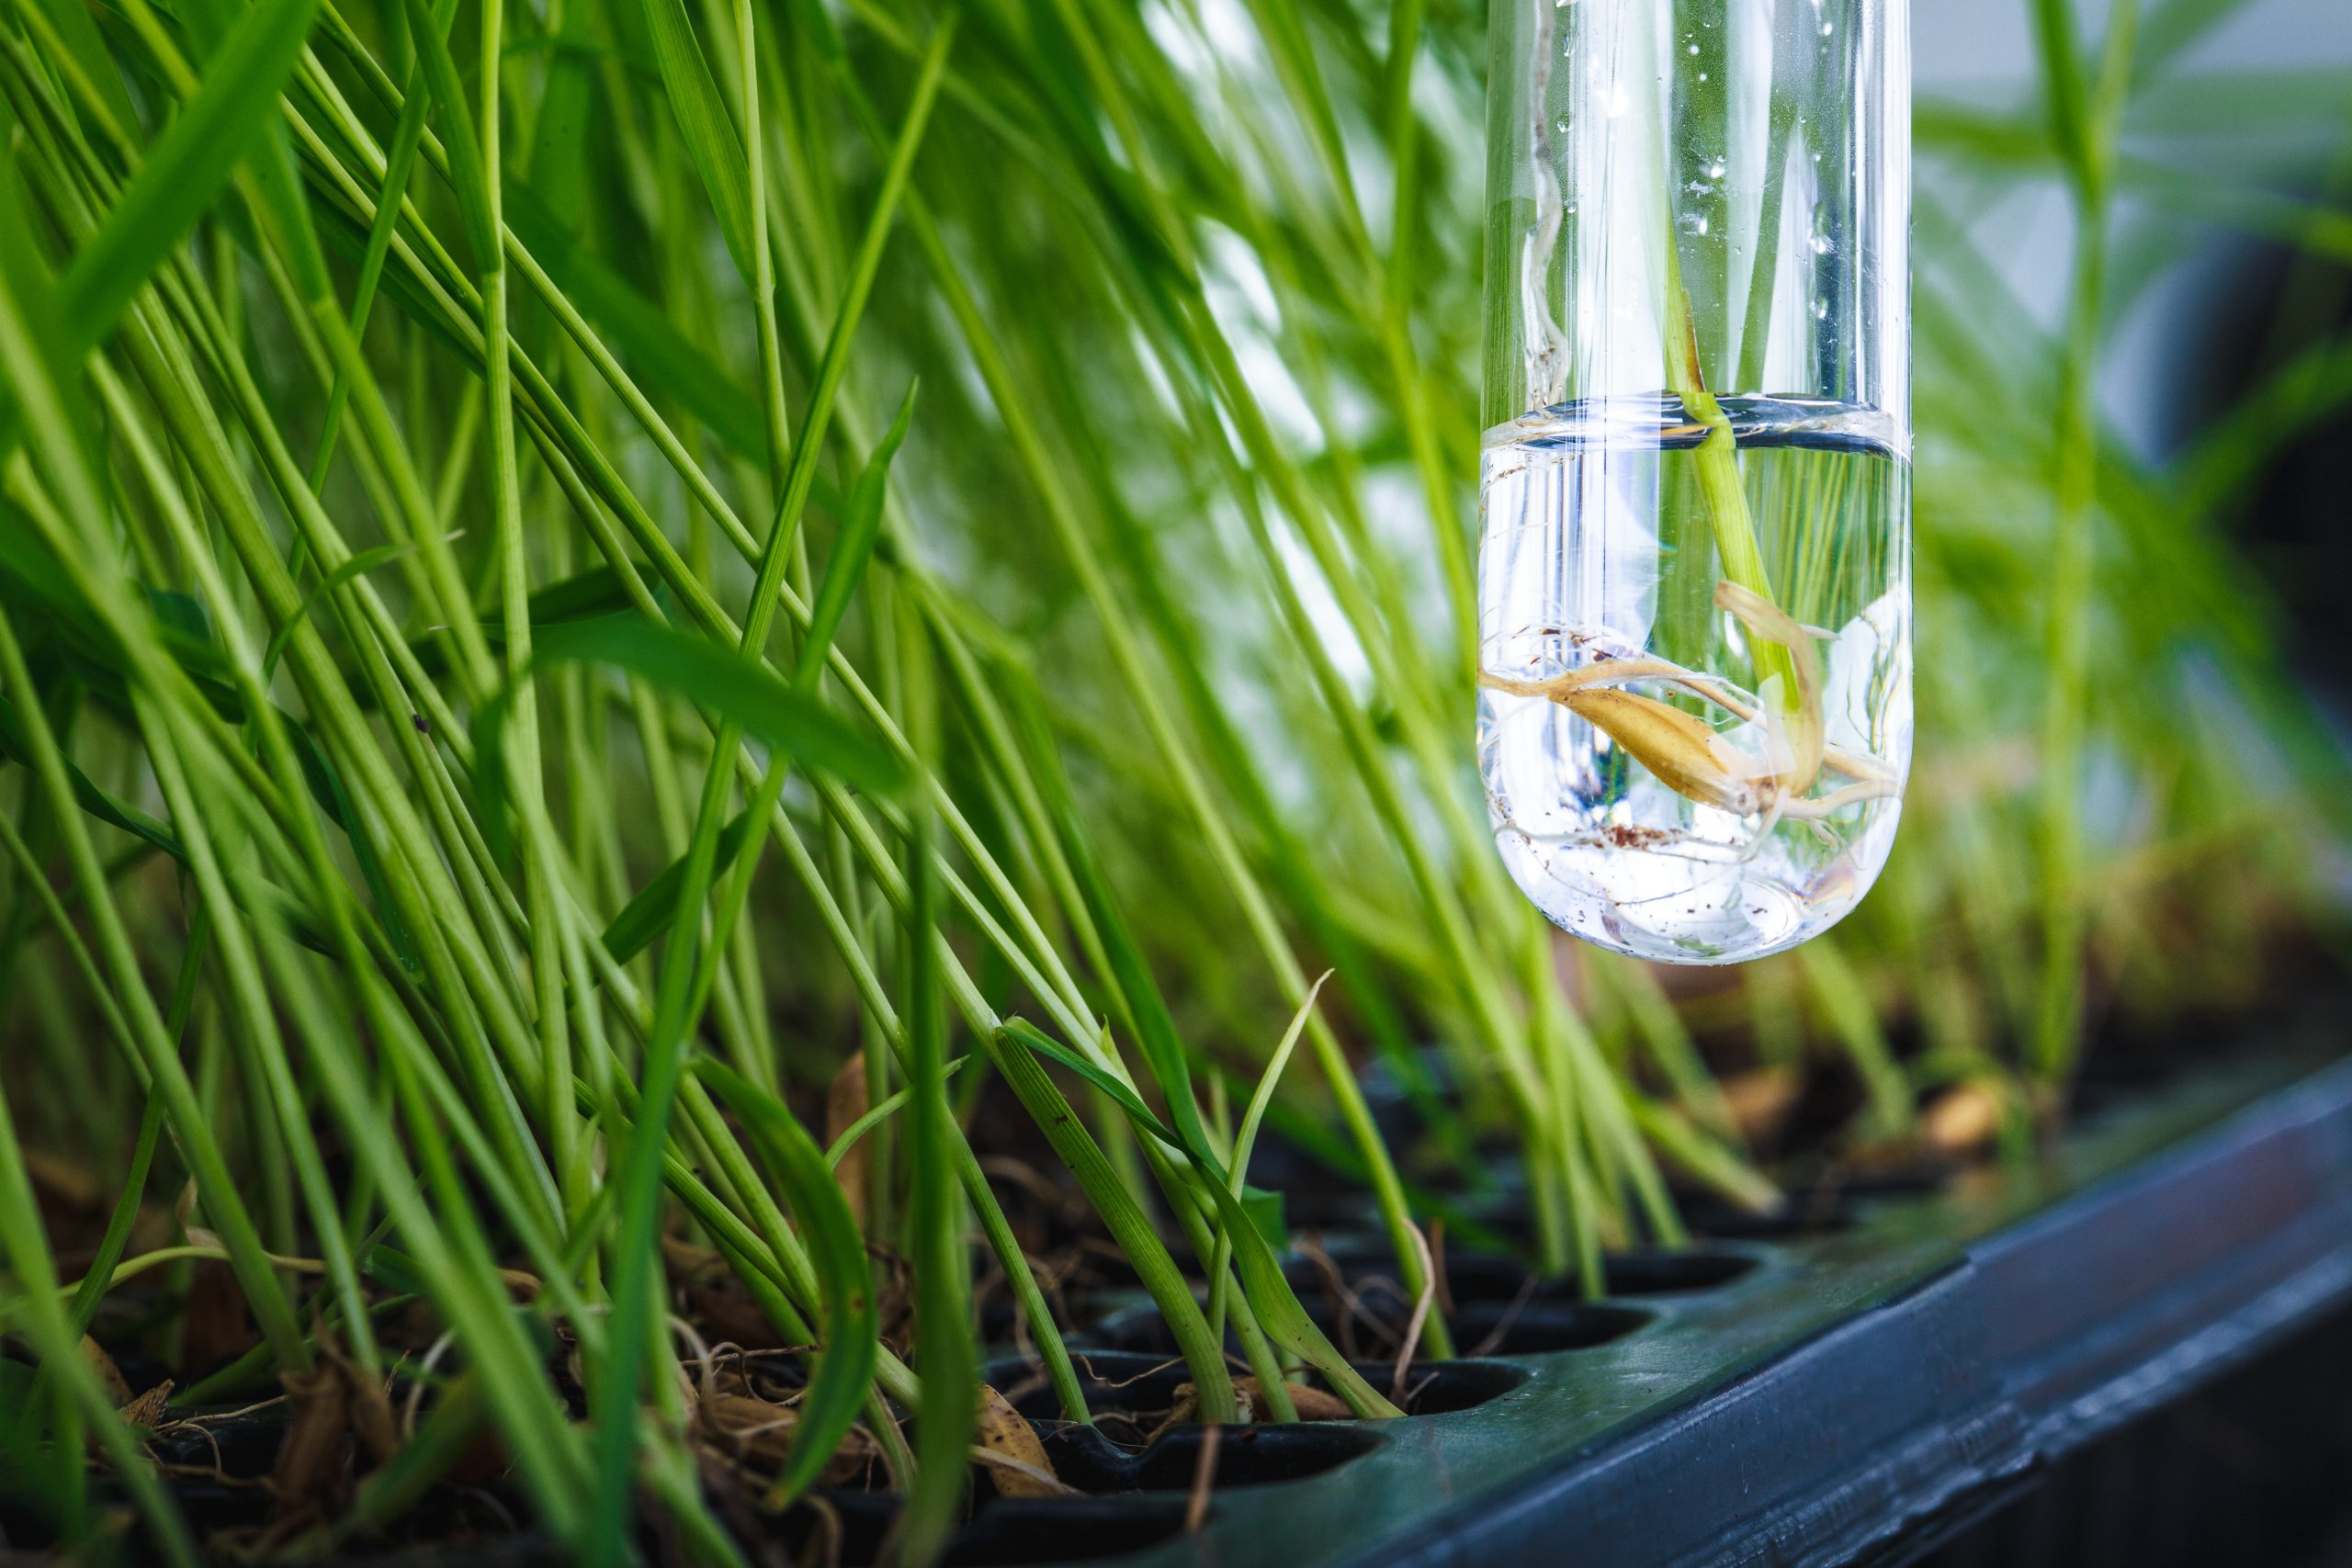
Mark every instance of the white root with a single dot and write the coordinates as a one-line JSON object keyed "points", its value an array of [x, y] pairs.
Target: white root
{"points": [[1631, 672], [1679, 750]]}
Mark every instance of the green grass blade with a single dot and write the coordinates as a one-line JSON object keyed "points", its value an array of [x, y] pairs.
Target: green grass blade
{"points": [[1246, 1139], [400, 161], [83, 40], [890, 1106], [363, 562], [704, 125], [1156, 1031], [644, 918], [1102, 1077], [719, 681], [17, 745], [851, 1335], [645, 335], [188, 167], [1026, 1034], [945, 1412], [84, 1305], [1015, 1047], [40, 1311], [1271, 1296], [860, 529], [465, 163]]}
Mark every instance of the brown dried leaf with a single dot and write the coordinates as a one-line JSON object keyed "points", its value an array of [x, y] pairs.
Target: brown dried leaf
{"points": [[63, 1183], [725, 1313], [485, 1457], [749, 1428], [715, 1300], [1196, 1502], [309, 1475], [414, 1328], [149, 1410], [759, 1431], [685, 1261], [117, 1389], [1013, 1479], [1003, 1433], [852, 1460], [372, 1420], [216, 1329], [845, 1101], [1760, 1100]]}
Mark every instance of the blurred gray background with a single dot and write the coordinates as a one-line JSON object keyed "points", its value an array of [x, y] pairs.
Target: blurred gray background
{"points": [[1982, 53]]}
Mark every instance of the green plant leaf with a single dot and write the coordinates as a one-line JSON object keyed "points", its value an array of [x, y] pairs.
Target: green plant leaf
{"points": [[333, 799], [1163, 1049], [16, 746], [1028, 1034], [704, 124], [945, 1412], [51, 372], [851, 1335], [649, 914], [646, 917], [356, 566], [2172, 26], [1268, 1216], [718, 680], [1246, 1140], [1015, 1054], [82, 41], [235, 106], [395, 1271], [1265, 1211], [860, 528], [875, 1118], [100, 1269], [34, 580], [1271, 1296], [464, 166], [655, 350]]}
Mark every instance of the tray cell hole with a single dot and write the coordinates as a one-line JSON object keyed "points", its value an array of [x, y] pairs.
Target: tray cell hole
{"points": [[1672, 1273], [1246, 1456]]}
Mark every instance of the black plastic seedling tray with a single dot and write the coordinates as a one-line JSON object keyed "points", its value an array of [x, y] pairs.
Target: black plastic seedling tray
{"points": [[1858, 1382], [1850, 1396]]}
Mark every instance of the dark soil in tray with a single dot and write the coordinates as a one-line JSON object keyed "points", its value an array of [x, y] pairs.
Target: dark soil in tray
{"points": [[1144, 1462]]}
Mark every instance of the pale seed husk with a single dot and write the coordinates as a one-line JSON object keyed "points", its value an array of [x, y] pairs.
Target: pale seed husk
{"points": [[1311, 1403], [1760, 1100], [1004, 1434], [1961, 1120], [1686, 756]]}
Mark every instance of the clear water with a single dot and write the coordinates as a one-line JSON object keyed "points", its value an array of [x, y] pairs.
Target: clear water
{"points": [[1599, 546]]}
